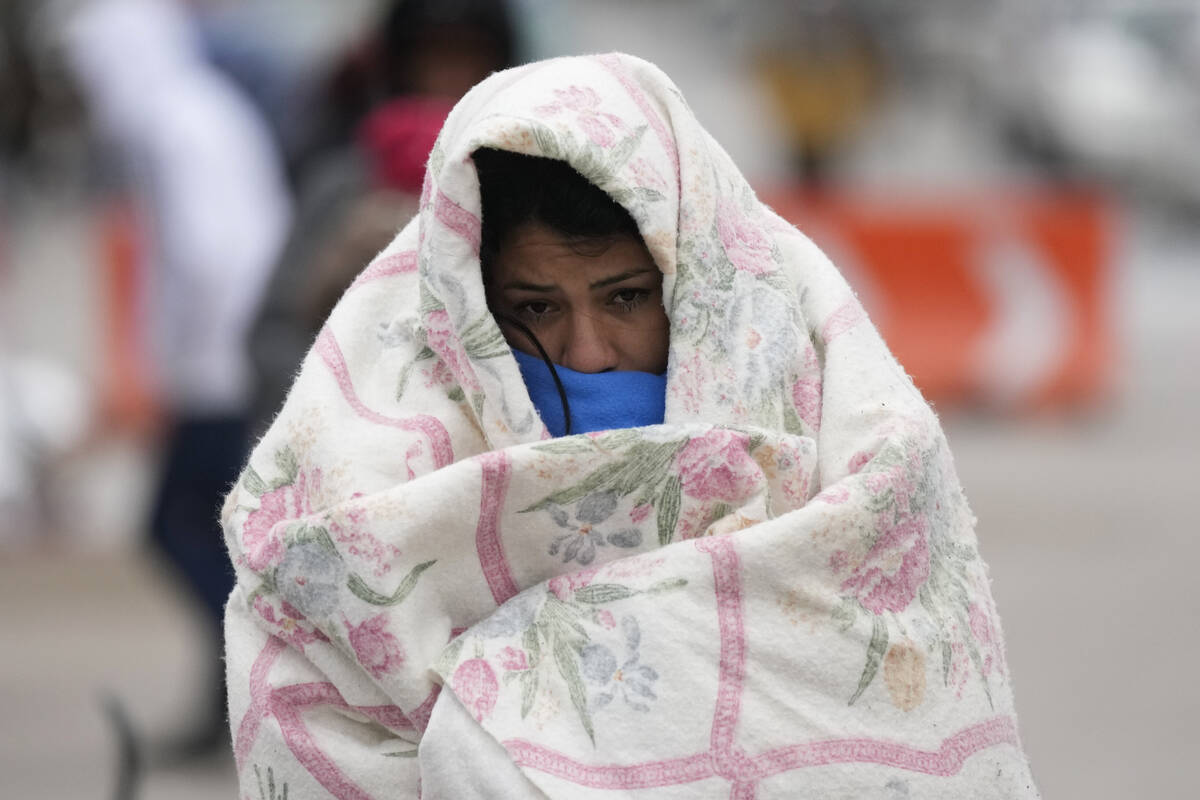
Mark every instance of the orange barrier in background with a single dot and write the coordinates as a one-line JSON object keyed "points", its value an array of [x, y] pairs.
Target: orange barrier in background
{"points": [[998, 299], [127, 397]]}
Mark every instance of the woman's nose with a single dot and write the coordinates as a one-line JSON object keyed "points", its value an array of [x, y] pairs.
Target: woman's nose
{"points": [[588, 348]]}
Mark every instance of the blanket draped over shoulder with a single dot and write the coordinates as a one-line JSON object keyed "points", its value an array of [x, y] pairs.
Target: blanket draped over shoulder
{"points": [[776, 593]]}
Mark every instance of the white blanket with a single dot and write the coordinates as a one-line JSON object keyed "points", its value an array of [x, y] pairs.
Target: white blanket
{"points": [[775, 594]]}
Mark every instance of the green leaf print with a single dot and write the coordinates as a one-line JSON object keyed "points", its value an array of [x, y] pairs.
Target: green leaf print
{"points": [[875, 652], [449, 656], [483, 339], [791, 420], [547, 140], [612, 441], [669, 585], [365, 593], [403, 753], [568, 446], [564, 658], [602, 478], [591, 163], [642, 464], [562, 623], [316, 534], [599, 593], [529, 687], [846, 613], [286, 461], [533, 645], [269, 791], [624, 149], [668, 509], [253, 482]]}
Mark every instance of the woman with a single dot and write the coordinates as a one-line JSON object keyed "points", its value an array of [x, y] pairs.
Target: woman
{"points": [[775, 592]]}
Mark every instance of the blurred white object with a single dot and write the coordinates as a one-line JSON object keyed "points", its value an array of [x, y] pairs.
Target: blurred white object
{"points": [[208, 180], [1115, 104], [1104, 92], [45, 411]]}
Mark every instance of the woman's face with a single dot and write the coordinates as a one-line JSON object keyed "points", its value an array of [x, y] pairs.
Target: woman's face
{"points": [[594, 309]]}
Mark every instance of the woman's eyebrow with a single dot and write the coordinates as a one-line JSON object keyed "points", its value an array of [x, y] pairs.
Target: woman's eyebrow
{"points": [[529, 287], [633, 273]]}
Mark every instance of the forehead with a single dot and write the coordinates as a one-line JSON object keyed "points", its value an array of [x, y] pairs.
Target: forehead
{"points": [[536, 252]]}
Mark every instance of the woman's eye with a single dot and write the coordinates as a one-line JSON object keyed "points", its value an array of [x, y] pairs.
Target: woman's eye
{"points": [[629, 299], [534, 309]]}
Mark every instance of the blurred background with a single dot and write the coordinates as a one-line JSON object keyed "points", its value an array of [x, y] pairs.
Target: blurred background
{"points": [[1013, 189]]}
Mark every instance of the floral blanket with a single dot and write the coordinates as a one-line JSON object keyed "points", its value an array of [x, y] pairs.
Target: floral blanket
{"points": [[777, 593]]}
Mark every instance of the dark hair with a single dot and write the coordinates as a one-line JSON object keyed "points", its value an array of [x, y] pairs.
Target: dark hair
{"points": [[517, 189]]}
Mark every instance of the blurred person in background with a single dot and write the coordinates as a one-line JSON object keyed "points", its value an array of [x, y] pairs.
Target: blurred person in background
{"points": [[210, 193], [821, 68], [360, 174]]}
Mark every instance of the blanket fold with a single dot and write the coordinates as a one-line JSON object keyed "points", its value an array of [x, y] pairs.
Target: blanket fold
{"points": [[775, 593]]}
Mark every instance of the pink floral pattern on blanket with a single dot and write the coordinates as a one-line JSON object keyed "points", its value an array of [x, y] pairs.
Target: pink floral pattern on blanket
{"points": [[897, 564], [907, 553], [745, 243], [375, 647], [584, 103], [718, 466], [661, 609], [263, 545]]}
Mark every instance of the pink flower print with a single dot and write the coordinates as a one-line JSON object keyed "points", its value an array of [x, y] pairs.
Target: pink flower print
{"points": [[834, 495], [289, 626], [646, 176], [791, 463], [262, 546], [580, 99], [375, 648], [639, 513], [894, 568], [596, 130], [599, 126], [858, 461], [960, 668], [476, 686], [717, 466], [564, 586], [438, 376], [987, 636], [745, 244], [513, 659], [606, 619], [806, 396], [442, 340], [806, 391]]}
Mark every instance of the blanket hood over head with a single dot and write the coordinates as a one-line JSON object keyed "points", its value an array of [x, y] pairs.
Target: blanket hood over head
{"points": [[776, 593]]}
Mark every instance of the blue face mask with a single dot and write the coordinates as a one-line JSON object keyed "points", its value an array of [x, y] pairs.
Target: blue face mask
{"points": [[599, 401]]}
